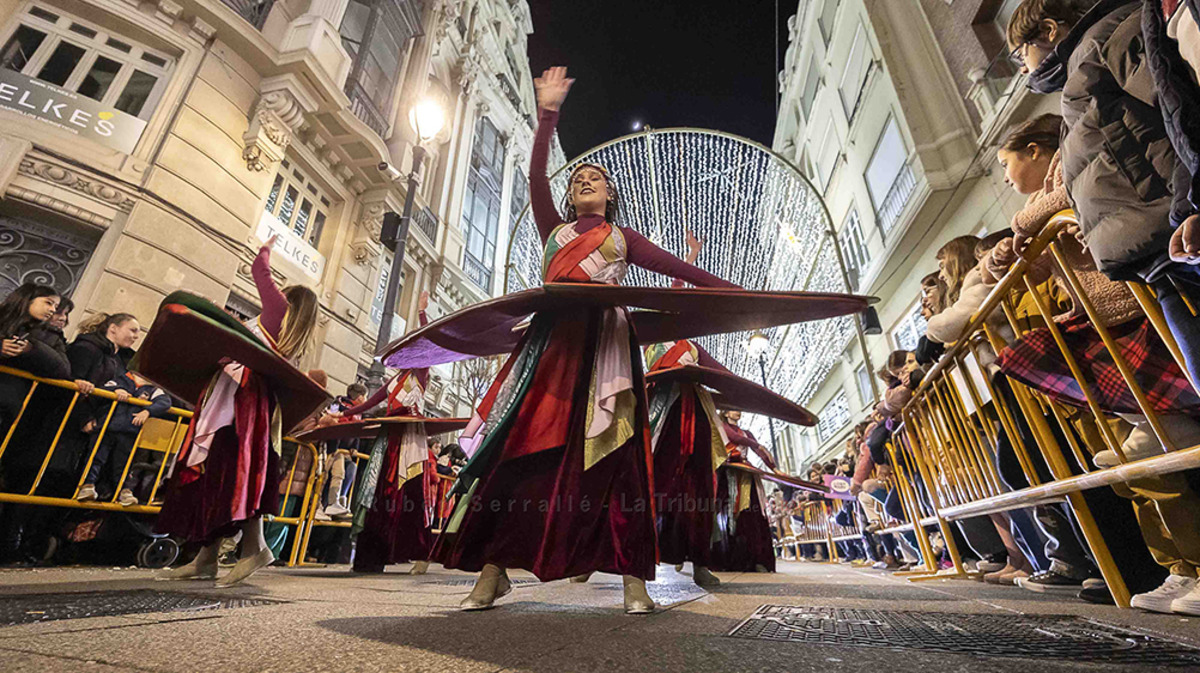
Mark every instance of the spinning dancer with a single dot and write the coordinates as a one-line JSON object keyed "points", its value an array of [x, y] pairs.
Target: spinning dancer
{"points": [[560, 479], [394, 508], [745, 539], [227, 473], [689, 445]]}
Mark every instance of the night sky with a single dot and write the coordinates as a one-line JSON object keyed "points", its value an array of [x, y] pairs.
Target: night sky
{"points": [[702, 63]]}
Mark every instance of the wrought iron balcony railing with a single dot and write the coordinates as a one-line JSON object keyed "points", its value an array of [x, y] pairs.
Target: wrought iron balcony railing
{"points": [[254, 11]]}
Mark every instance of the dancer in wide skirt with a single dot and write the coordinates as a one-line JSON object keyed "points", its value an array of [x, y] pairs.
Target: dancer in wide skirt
{"points": [[559, 483], [744, 543]]}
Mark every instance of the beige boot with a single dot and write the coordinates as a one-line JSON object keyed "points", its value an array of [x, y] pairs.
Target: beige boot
{"points": [[678, 567], [419, 568], [581, 579], [492, 584], [637, 601], [703, 577]]}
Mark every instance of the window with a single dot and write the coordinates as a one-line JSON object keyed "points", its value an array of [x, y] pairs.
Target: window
{"points": [[825, 20], [811, 81], [519, 197], [56, 48], [481, 205], [298, 203], [833, 417], [854, 248], [827, 156], [376, 34], [888, 175], [858, 64], [909, 330], [865, 394]]}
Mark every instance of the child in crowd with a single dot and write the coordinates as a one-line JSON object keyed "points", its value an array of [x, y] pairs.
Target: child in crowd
{"points": [[117, 439]]}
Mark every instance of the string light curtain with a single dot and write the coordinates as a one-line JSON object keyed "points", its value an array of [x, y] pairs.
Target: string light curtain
{"points": [[763, 225]]}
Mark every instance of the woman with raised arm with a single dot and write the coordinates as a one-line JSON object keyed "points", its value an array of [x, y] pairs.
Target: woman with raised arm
{"points": [[226, 476], [394, 507], [745, 540], [560, 479]]}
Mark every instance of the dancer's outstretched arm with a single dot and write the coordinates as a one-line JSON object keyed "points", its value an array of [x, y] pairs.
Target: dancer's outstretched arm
{"points": [[552, 88], [274, 304]]}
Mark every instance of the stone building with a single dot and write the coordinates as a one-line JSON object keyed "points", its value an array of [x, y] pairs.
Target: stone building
{"points": [[894, 108], [148, 146]]}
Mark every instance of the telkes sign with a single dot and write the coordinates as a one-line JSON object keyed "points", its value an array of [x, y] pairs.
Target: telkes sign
{"points": [[69, 111]]}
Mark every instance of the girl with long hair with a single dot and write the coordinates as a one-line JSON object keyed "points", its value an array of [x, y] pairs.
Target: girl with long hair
{"points": [[227, 473]]}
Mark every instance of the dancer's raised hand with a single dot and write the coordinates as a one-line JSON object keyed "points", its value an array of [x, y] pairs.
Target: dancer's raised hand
{"points": [[552, 87], [694, 244]]}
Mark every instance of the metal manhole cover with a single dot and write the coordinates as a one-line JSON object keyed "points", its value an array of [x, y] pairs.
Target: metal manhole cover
{"points": [[1062, 637], [26, 609]]}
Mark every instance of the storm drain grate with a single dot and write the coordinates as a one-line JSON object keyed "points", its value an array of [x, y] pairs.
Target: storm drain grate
{"points": [[1060, 637], [30, 608], [471, 582]]}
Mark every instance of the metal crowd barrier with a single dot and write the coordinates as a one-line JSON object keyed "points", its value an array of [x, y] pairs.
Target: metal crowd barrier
{"points": [[945, 452], [162, 437]]}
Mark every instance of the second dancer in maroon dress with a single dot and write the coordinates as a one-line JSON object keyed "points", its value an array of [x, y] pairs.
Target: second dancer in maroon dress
{"points": [[744, 543]]}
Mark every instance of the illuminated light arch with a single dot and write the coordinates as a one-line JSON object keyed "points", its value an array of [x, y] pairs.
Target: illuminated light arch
{"points": [[764, 226]]}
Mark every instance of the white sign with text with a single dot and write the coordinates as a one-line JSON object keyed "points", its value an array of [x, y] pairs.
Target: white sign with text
{"points": [[291, 247]]}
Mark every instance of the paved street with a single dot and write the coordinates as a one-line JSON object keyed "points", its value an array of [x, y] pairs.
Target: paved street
{"points": [[328, 620]]}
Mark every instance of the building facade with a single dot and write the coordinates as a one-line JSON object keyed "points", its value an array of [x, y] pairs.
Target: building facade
{"points": [[894, 109], [151, 146]]}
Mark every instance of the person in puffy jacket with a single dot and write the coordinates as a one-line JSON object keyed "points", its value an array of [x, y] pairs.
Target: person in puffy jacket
{"points": [[121, 433]]}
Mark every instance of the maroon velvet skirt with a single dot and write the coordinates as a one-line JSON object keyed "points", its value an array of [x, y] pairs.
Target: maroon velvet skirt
{"points": [[536, 508], [749, 543], [394, 530], [238, 481], [685, 485]]}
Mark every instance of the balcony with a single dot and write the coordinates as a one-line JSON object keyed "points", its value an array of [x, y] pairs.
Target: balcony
{"points": [[479, 274], [253, 11], [364, 108], [897, 197], [427, 223]]}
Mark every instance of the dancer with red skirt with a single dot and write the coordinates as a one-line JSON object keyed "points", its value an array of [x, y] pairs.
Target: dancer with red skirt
{"points": [[396, 504], [744, 543], [227, 473], [559, 483]]}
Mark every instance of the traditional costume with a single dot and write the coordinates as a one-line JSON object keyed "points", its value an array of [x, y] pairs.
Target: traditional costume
{"points": [[396, 503], [744, 542], [227, 471], [559, 481]]}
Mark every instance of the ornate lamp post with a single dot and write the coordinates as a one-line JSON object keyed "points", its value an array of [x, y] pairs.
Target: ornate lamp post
{"points": [[758, 346], [427, 119]]}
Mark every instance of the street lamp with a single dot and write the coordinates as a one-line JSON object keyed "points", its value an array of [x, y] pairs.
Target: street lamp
{"points": [[758, 346], [427, 119]]}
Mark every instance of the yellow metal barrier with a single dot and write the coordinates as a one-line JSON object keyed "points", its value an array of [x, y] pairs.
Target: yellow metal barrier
{"points": [[945, 455], [162, 437]]}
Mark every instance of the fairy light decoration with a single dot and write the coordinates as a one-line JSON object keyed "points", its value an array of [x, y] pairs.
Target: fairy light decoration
{"points": [[764, 227]]}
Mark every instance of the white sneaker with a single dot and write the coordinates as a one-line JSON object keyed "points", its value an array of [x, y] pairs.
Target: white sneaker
{"points": [[336, 511], [322, 516], [1162, 598], [126, 498], [87, 493], [1189, 603]]}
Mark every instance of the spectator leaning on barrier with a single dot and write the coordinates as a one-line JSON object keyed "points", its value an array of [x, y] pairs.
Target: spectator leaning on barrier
{"points": [[121, 434]]}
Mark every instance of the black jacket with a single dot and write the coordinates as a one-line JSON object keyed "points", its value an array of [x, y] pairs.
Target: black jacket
{"points": [[122, 418], [45, 358], [1118, 162], [1179, 99], [94, 358]]}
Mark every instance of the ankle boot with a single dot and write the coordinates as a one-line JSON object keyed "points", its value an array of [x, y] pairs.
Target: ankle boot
{"points": [[419, 568], [581, 579], [247, 566], [492, 584], [703, 577], [189, 571], [637, 601]]}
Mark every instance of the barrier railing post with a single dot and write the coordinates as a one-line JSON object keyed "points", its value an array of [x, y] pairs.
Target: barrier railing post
{"points": [[17, 419]]}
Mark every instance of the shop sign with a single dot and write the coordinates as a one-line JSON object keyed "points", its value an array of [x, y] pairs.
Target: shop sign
{"points": [[69, 111], [291, 247]]}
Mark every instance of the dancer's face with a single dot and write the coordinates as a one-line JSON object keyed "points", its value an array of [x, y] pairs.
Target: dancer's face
{"points": [[733, 416], [589, 191]]}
